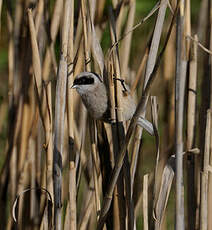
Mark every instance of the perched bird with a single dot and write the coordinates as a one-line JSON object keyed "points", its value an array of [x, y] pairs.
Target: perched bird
{"points": [[94, 95]]}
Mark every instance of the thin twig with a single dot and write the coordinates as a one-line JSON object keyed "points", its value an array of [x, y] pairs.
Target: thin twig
{"points": [[200, 45]]}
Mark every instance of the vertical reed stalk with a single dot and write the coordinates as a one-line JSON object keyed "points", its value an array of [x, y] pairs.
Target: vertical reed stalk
{"points": [[145, 202], [87, 43], [210, 176], [72, 197], [181, 66], [118, 140], [204, 176], [60, 103], [151, 60], [191, 126], [49, 57], [126, 43], [72, 208]]}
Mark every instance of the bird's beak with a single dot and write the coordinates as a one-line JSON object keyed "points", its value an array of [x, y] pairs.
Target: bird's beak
{"points": [[73, 86]]}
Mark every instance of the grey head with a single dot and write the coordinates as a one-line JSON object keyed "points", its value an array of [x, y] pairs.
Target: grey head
{"points": [[93, 92], [86, 82]]}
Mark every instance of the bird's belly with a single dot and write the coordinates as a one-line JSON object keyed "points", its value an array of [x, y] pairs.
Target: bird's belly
{"points": [[96, 108]]}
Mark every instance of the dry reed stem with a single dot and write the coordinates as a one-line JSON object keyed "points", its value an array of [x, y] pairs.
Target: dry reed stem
{"points": [[139, 130], [78, 37], [153, 50], [99, 58], [191, 130], [11, 56], [94, 165], [99, 9], [139, 203], [72, 197], [35, 54], [187, 26], [33, 201], [39, 15], [117, 213], [110, 69], [47, 177], [203, 17], [60, 104], [205, 93], [54, 27], [12, 165], [13, 181], [204, 176], [192, 87], [72, 208], [136, 150], [85, 52], [126, 43], [25, 130], [181, 67], [48, 137], [154, 111], [210, 160], [86, 213], [145, 202], [13, 140], [45, 107], [18, 16], [44, 223], [155, 41], [66, 28], [67, 217], [58, 140], [165, 187], [117, 70], [134, 157], [120, 18], [23, 181], [168, 75], [95, 45], [85, 37], [140, 70], [118, 136], [14, 172], [19, 8]]}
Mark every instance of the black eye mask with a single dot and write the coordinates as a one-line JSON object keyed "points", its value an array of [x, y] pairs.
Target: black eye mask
{"points": [[84, 81]]}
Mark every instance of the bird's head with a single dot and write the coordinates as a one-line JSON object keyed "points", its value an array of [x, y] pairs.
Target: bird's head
{"points": [[86, 82]]}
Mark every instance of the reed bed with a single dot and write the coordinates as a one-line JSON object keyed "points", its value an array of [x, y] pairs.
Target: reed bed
{"points": [[60, 168]]}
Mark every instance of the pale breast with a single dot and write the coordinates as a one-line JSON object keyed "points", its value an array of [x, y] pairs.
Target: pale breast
{"points": [[96, 103]]}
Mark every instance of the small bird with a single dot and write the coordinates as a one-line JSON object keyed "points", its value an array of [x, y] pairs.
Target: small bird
{"points": [[94, 95]]}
